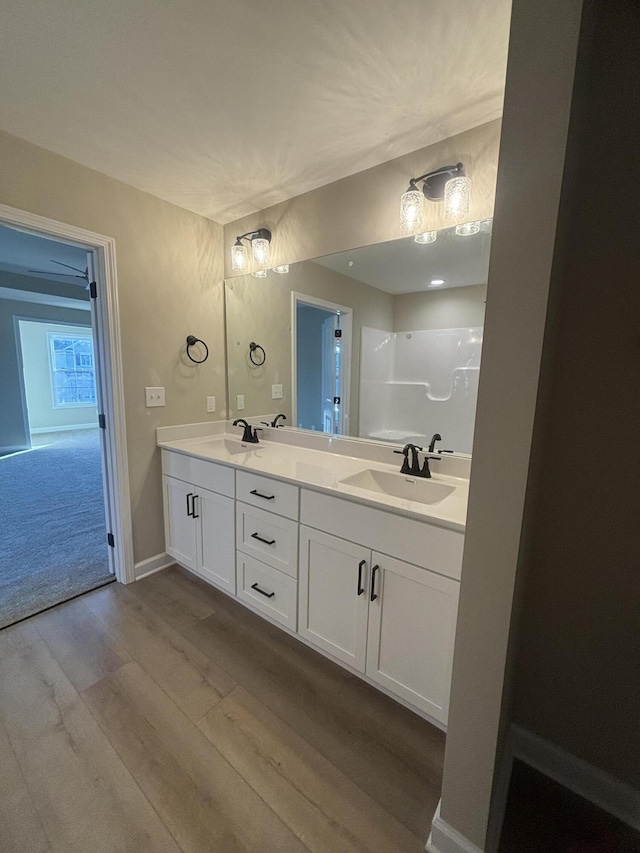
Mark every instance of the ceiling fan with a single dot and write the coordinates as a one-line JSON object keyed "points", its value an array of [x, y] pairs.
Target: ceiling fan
{"points": [[79, 273]]}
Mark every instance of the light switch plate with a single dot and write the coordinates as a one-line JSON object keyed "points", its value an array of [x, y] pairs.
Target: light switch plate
{"points": [[240, 402], [154, 397], [211, 404], [276, 392]]}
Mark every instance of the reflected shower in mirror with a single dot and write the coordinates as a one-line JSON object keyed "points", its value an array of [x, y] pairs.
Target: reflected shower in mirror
{"points": [[381, 342]]}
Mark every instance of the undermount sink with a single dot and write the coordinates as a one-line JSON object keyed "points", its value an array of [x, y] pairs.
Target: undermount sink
{"points": [[232, 446], [402, 486]]}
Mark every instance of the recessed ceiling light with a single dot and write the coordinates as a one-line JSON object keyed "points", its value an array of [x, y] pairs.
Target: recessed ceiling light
{"points": [[350, 263], [436, 282]]}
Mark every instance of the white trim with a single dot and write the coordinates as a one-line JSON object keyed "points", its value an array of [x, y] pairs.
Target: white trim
{"points": [[152, 565], [110, 368], [36, 430], [346, 321], [593, 784], [44, 299], [445, 839]]}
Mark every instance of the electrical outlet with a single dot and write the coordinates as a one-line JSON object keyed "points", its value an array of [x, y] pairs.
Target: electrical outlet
{"points": [[211, 404], [154, 397], [276, 392], [240, 402]]}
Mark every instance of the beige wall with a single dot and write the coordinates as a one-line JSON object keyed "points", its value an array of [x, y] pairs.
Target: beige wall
{"points": [[170, 271], [542, 52], [451, 308], [260, 310], [576, 648], [364, 208]]}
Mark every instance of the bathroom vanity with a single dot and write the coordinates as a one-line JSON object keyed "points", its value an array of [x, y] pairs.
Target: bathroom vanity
{"points": [[325, 538]]}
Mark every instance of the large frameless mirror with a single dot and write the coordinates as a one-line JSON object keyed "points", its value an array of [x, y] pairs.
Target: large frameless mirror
{"points": [[381, 342]]}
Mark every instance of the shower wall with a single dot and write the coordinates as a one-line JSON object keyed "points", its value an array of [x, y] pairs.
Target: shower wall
{"points": [[414, 384]]}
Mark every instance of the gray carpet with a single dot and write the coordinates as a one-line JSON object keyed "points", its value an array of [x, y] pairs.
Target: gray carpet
{"points": [[52, 527]]}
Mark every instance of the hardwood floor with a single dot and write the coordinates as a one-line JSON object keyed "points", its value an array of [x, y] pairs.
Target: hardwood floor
{"points": [[164, 716]]}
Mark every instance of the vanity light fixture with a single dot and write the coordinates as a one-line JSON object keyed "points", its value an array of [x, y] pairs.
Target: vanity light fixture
{"points": [[426, 237], [449, 183], [467, 229], [260, 241], [282, 269]]}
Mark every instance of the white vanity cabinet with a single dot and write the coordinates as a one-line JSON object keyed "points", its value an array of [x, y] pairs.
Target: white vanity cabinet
{"points": [[385, 617], [198, 521]]}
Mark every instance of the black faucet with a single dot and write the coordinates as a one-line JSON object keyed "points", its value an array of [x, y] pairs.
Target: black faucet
{"points": [[274, 422], [436, 437], [249, 435], [414, 467]]}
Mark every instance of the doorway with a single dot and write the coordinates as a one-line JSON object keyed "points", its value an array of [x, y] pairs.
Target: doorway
{"points": [[62, 454], [321, 354]]}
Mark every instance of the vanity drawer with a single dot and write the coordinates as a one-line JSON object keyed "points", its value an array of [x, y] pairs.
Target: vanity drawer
{"points": [[268, 590], [199, 472], [265, 493], [269, 537]]}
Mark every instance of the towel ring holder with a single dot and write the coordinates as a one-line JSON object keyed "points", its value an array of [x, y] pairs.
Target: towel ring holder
{"points": [[192, 341], [253, 349]]}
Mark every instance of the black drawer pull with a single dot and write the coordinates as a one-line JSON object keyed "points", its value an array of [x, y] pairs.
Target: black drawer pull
{"points": [[260, 495], [260, 539], [373, 582], [189, 510], [193, 506], [363, 563], [261, 591]]}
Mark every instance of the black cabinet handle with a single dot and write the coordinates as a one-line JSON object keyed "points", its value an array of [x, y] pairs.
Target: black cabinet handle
{"points": [[373, 582], [260, 495], [193, 506], [361, 566], [260, 539], [261, 591], [189, 510]]}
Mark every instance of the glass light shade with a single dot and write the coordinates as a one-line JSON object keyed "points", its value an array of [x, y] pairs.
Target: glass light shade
{"points": [[282, 269], [467, 229], [260, 249], [411, 209], [457, 193], [238, 257], [426, 237], [259, 274]]}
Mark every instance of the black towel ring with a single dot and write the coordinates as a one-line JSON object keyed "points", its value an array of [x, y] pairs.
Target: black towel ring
{"points": [[191, 341], [253, 346]]}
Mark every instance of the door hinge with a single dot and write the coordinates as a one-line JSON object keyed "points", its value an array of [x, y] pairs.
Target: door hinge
{"points": [[111, 542], [93, 290], [336, 401], [337, 333], [102, 421]]}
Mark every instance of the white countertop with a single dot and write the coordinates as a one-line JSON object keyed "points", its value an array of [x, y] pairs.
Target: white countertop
{"points": [[323, 471]]}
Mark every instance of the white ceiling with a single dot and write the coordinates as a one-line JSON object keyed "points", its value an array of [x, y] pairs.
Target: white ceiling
{"points": [[404, 266], [226, 107]]}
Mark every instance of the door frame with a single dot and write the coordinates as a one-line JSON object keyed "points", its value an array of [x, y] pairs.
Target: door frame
{"points": [[107, 318], [346, 323]]}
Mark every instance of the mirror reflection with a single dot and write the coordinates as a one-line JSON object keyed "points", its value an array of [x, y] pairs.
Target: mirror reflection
{"points": [[381, 342]]}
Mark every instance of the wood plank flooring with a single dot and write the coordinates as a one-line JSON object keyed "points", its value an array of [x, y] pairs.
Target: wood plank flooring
{"points": [[164, 716]]}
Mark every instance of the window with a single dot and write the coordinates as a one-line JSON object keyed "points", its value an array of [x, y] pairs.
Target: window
{"points": [[73, 377]]}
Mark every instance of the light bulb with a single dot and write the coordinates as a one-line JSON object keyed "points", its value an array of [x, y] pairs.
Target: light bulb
{"points": [[411, 209], [260, 248], [238, 257], [282, 269], [426, 237], [457, 192], [259, 274], [436, 282], [467, 229]]}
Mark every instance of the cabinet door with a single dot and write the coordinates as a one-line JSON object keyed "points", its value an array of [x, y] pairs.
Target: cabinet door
{"points": [[216, 540], [332, 606], [180, 530], [412, 622]]}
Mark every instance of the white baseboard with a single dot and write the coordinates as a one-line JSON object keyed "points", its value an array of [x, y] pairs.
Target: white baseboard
{"points": [[445, 839], [67, 428], [152, 565], [594, 785]]}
